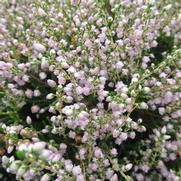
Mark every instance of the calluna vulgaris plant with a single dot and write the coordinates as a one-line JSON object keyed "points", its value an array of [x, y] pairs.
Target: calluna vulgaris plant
{"points": [[90, 90]]}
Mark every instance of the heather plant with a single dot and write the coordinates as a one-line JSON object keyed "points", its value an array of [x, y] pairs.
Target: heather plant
{"points": [[90, 90]]}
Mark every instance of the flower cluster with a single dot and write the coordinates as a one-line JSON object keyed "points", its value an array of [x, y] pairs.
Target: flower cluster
{"points": [[90, 90]]}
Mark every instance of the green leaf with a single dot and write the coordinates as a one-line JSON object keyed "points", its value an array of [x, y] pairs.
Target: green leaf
{"points": [[20, 155]]}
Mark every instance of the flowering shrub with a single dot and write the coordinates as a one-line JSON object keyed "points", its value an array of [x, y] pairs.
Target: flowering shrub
{"points": [[90, 90]]}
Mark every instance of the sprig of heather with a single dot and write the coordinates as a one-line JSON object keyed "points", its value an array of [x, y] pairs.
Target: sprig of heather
{"points": [[90, 90]]}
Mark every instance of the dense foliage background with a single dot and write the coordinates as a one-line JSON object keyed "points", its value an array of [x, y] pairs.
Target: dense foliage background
{"points": [[90, 90]]}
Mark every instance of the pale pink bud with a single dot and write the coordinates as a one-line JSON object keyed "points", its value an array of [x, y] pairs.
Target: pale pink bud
{"points": [[50, 96], [45, 178], [42, 75], [39, 47], [76, 170], [35, 109], [29, 93], [114, 152], [25, 78], [128, 166], [38, 146], [36, 93], [51, 83], [161, 110], [69, 167], [28, 120]]}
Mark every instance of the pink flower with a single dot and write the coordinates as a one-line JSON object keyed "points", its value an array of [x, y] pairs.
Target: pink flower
{"points": [[109, 173], [86, 91], [42, 75], [72, 134], [35, 109], [51, 83], [39, 47], [98, 153], [114, 152], [79, 90], [76, 170], [114, 177], [29, 93], [68, 167], [80, 178], [161, 110]]}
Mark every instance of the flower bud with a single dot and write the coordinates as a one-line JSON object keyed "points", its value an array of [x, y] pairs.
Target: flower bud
{"points": [[50, 96], [45, 177], [51, 83], [21, 171], [5, 160], [39, 47], [143, 105], [39, 146], [41, 12], [14, 166], [128, 166]]}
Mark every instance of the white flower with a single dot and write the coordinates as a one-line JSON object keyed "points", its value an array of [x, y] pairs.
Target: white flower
{"points": [[39, 146], [45, 177], [163, 130], [77, 21], [14, 166], [68, 167], [23, 147], [28, 120], [128, 166], [143, 105], [146, 89], [10, 149], [5, 160], [21, 171], [50, 96], [45, 154], [41, 12]]}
